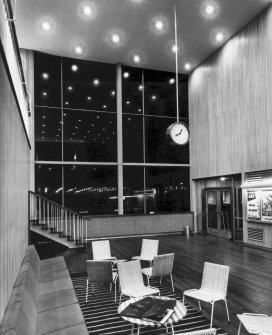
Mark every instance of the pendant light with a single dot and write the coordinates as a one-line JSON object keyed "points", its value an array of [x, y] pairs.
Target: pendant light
{"points": [[178, 131]]}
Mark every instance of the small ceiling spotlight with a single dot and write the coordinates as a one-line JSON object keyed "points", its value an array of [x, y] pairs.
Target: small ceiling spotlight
{"points": [[223, 178], [219, 36], [112, 93], [87, 10], [46, 25], [126, 74], [171, 81], [136, 59], [115, 38], [96, 82], [78, 49], [45, 75], [174, 48], [70, 88], [210, 9], [74, 68], [44, 94], [159, 25], [89, 98], [187, 66], [140, 87]]}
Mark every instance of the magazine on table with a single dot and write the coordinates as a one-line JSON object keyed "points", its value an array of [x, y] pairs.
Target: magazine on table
{"points": [[150, 309]]}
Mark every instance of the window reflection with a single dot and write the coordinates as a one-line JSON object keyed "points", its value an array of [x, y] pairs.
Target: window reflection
{"points": [[91, 190], [47, 76], [158, 147], [167, 189], [132, 90], [132, 138], [89, 136], [48, 181], [133, 189], [89, 85], [48, 134]]}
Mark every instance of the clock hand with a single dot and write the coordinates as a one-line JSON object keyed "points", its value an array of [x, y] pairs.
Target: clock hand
{"points": [[179, 132]]}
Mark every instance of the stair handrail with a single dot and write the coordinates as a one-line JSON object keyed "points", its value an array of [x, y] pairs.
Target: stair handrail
{"points": [[57, 218]]}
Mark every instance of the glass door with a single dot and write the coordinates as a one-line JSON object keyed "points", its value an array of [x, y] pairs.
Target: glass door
{"points": [[217, 211], [238, 215]]}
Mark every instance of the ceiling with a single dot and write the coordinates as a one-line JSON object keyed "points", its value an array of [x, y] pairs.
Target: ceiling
{"points": [[58, 26]]}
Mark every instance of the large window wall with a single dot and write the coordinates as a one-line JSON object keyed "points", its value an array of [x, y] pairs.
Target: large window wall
{"points": [[81, 159]]}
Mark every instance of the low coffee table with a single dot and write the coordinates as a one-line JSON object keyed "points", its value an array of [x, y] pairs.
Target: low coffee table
{"points": [[179, 312]]}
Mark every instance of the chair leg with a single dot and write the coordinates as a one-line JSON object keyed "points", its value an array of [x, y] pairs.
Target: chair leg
{"points": [[115, 292], [148, 281], [110, 286], [120, 298], [239, 329], [227, 310], [93, 288], [160, 280], [132, 328], [172, 282], [183, 299], [212, 314], [87, 287], [199, 305]]}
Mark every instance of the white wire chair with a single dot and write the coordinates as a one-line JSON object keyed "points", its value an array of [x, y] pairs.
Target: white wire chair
{"points": [[260, 324], [213, 287], [100, 272], [210, 331], [131, 280], [162, 266], [148, 251], [101, 250]]}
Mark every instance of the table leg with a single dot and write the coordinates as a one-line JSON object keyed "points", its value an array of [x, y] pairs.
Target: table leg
{"points": [[138, 332], [172, 329], [166, 328], [132, 329]]}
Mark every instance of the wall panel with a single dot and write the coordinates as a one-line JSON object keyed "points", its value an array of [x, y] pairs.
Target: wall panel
{"points": [[14, 183], [230, 105]]}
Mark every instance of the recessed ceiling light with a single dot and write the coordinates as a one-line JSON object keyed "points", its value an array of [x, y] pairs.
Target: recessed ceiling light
{"points": [[140, 87], [136, 59], [46, 26], [223, 178], [219, 36], [126, 74], [171, 81], [159, 25], [66, 103], [112, 93], [70, 88], [89, 98], [187, 66], [87, 10], [74, 68], [96, 82], [44, 93], [115, 38], [209, 9], [128, 102], [78, 49], [154, 97], [45, 75], [174, 48]]}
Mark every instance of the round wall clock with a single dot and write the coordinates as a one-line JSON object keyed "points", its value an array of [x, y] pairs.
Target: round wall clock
{"points": [[178, 133]]}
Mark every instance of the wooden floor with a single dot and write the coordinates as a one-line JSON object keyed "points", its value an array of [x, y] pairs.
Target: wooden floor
{"points": [[250, 282]]}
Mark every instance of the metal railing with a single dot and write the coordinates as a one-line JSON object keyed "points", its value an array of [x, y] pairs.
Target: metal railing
{"points": [[56, 218]]}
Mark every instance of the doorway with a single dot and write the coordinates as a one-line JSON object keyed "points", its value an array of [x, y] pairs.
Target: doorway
{"points": [[217, 207]]}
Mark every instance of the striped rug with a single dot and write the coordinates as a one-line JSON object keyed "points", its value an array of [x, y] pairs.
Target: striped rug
{"points": [[101, 315]]}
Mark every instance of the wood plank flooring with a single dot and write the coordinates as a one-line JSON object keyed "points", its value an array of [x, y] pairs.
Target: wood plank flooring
{"points": [[250, 280]]}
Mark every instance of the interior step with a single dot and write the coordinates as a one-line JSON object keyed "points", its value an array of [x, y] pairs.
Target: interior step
{"points": [[55, 237]]}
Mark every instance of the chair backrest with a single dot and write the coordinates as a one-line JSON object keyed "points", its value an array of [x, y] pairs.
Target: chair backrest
{"points": [[130, 274], [162, 265], [149, 247], [101, 249], [215, 277], [99, 271]]}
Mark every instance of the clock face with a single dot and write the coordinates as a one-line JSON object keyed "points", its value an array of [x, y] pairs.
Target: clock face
{"points": [[178, 133]]}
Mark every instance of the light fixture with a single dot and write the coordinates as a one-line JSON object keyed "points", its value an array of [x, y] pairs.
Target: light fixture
{"points": [[78, 49], [96, 82], [74, 68], [45, 75], [223, 178], [219, 36], [89, 98], [187, 66], [87, 10], [115, 38], [171, 81], [44, 94], [70, 88], [112, 93], [159, 25], [46, 26], [136, 58], [126, 74], [209, 9]]}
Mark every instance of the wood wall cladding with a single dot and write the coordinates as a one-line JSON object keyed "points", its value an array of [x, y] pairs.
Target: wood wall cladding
{"points": [[230, 103], [14, 183]]}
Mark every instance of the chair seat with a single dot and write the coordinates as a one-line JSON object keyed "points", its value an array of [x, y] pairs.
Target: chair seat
{"points": [[140, 291], [147, 271], [256, 324], [204, 295]]}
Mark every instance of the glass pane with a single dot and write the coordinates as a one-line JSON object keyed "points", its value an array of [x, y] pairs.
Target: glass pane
{"points": [[158, 147], [48, 181], [167, 189], [133, 189], [89, 85], [132, 90], [48, 134], [212, 209], [47, 77], [133, 138], [91, 190], [89, 136], [160, 94], [226, 209]]}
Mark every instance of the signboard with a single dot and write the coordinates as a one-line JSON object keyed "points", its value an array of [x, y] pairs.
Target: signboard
{"points": [[254, 205], [267, 206]]}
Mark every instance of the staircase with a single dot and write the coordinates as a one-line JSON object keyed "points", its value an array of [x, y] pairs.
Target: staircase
{"points": [[56, 222]]}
